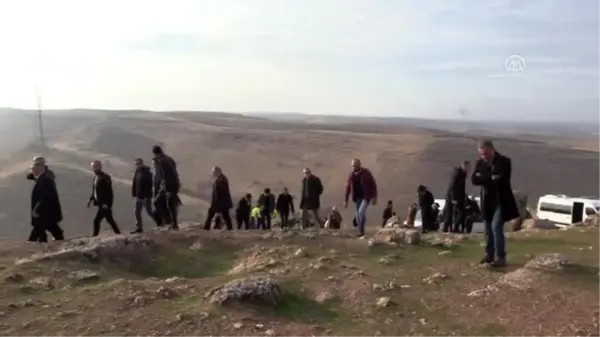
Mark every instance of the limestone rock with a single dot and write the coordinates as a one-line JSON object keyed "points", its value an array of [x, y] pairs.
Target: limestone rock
{"points": [[260, 290], [84, 275], [43, 282], [383, 302], [435, 278], [127, 250], [522, 278], [164, 292], [324, 297], [548, 261], [530, 224], [412, 237]]}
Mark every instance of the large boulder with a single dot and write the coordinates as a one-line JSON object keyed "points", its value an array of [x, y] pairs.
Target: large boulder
{"points": [[259, 290], [592, 221], [548, 261], [131, 250], [397, 235], [530, 224]]}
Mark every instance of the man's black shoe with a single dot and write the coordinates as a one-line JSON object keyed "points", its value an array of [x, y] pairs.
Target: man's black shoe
{"points": [[486, 260]]}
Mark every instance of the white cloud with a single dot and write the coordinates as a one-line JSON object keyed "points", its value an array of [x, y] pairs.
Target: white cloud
{"points": [[334, 56]]}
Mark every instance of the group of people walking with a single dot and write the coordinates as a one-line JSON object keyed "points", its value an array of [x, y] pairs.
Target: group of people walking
{"points": [[158, 194]]}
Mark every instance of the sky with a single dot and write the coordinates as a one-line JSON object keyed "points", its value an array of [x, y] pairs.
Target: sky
{"points": [[469, 59]]}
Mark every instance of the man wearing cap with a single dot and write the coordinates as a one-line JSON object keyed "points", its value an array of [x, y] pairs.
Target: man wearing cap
{"points": [[102, 197], [166, 200], [40, 160], [46, 211]]}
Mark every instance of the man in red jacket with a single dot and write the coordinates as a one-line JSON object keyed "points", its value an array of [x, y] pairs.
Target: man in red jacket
{"points": [[361, 184]]}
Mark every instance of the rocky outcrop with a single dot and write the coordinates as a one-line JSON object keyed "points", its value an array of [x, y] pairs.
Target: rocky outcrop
{"points": [[548, 262], [261, 290], [397, 235], [120, 249], [530, 224]]}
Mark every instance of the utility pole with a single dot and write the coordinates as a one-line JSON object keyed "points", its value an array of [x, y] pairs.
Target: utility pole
{"points": [[39, 117]]}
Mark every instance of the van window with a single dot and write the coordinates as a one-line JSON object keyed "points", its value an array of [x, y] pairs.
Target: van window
{"points": [[555, 208], [590, 211]]}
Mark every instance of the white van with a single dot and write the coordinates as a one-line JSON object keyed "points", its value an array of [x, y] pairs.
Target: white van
{"points": [[478, 225], [565, 210]]}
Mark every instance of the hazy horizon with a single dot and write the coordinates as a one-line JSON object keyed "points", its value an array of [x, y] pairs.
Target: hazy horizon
{"points": [[466, 59]]}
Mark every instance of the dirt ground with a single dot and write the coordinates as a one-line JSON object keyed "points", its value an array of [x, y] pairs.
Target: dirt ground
{"points": [[332, 284]]}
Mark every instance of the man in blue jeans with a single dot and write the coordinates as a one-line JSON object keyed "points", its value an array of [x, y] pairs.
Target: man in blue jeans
{"points": [[493, 172], [361, 184]]}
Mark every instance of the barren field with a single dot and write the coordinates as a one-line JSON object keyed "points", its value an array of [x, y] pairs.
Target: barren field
{"points": [[256, 153]]}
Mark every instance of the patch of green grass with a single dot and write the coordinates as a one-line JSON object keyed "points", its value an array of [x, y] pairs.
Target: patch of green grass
{"points": [[296, 306], [189, 264], [581, 276]]}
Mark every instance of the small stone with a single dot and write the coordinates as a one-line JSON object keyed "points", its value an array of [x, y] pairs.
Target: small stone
{"points": [[331, 278], [259, 326], [405, 286], [383, 302], [435, 278], [423, 321], [238, 325], [27, 303], [270, 332], [301, 252], [139, 301], [324, 297], [196, 246], [389, 321], [44, 282], [445, 252], [68, 313], [174, 279], [164, 292], [82, 276], [179, 317]]}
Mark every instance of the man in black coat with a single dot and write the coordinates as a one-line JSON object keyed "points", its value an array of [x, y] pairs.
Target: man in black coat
{"points": [[167, 200], [242, 212], [102, 197], [426, 201], [40, 160], [454, 209], [267, 202], [284, 205], [46, 211], [310, 201], [493, 173], [220, 202], [141, 190]]}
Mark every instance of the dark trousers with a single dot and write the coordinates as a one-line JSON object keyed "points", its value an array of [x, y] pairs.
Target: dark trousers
{"points": [[468, 224], [224, 214], [101, 214], [39, 228], [454, 217], [242, 218], [142, 203], [265, 220], [427, 220], [285, 217], [166, 210]]}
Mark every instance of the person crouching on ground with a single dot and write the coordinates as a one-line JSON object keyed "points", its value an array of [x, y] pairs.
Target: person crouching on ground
{"points": [[334, 219], [388, 211]]}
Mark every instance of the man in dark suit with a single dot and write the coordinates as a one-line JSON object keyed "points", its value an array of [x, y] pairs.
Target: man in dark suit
{"points": [[454, 209], [220, 202], [167, 201], [310, 202], [285, 204], [141, 190], [267, 202], [46, 211], [242, 212], [426, 201], [493, 173], [102, 197]]}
